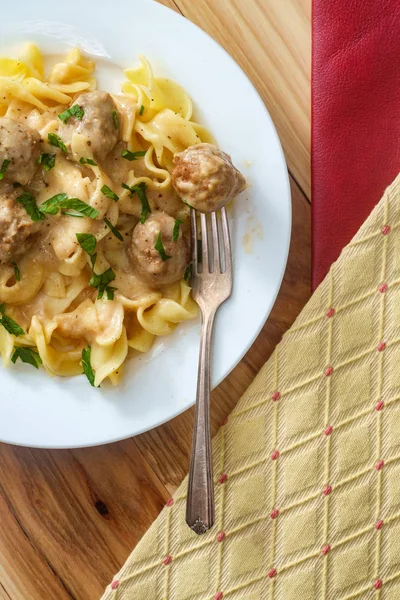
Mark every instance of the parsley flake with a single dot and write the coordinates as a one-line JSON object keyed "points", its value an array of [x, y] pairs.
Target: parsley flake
{"points": [[188, 273], [87, 366], [27, 355], [114, 115], [100, 283], [175, 233], [9, 324], [114, 230], [47, 161], [87, 161], [56, 141], [87, 241], [140, 190], [52, 205], [17, 272], [128, 155], [160, 248], [80, 207], [75, 111], [4, 167], [29, 203], [109, 193], [141, 111]]}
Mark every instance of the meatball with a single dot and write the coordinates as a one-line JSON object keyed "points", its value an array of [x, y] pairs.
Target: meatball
{"points": [[17, 230], [20, 145], [147, 260], [205, 177], [97, 124]]}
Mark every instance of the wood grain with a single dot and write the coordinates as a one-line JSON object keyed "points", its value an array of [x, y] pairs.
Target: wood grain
{"points": [[69, 519], [270, 39]]}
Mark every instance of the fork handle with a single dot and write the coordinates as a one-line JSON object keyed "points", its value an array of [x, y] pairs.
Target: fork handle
{"points": [[200, 496]]}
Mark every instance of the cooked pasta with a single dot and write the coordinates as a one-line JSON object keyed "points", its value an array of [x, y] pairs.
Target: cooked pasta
{"points": [[93, 235]]}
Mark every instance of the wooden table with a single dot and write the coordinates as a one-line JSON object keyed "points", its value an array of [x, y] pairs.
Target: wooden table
{"points": [[69, 519]]}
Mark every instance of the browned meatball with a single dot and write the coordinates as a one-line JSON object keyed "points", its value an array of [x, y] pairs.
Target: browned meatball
{"points": [[147, 260], [97, 124], [17, 230], [205, 177], [20, 145]]}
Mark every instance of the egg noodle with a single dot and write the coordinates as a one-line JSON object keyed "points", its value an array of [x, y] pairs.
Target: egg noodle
{"points": [[68, 324]]}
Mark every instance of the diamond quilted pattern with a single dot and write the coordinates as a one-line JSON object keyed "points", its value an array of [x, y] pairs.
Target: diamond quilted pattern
{"points": [[396, 254], [300, 471], [247, 438], [393, 479], [248, 495], [353, 507], [299, 531], [353, 448], [393, 544], [193, 577], [299, 586], [355, 329], [394, 370], [301, 414], [358, 275], [305, 346], [307, 469], [247, 554], [351, 565], [351, 387], [394, 428]]}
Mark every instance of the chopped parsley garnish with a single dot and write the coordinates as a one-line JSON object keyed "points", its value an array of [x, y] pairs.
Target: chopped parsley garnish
{"points": [[4, 167], [175, 233], [75, 111], [160, 248], [141, 111], [69, 214], [87, 241], [115, 119], [47, 161], [87, 161], [17, 272], [87, 366], [140, 190], [56, 141], [9, 324], [188, 273], [133, 155], [109, 193], [27, 355], [52, 205], [100, 283], [79, 207], [29, 203], [114, 230]]}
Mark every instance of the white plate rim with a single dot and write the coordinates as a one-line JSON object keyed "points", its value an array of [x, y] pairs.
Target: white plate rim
{"points": [[285, 233]]}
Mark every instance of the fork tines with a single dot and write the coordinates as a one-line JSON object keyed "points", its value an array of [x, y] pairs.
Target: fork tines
{"points": [[211, 249]]}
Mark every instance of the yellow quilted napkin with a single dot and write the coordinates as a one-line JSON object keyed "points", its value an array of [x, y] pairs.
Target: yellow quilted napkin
{"points": [[307, 468]]}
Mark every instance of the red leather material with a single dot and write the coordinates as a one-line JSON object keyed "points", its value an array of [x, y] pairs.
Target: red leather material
{"points": [[355, 118]]}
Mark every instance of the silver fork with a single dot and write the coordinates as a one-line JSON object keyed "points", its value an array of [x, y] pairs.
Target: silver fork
{"points": [[211, 285]]}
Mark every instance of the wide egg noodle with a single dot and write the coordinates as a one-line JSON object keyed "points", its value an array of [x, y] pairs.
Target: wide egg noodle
{"points": [[53, 301]]}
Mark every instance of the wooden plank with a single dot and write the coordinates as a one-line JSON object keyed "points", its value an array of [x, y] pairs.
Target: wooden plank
{"points": [[81, 511], [270, 40], [24, 573], [167, 448]]}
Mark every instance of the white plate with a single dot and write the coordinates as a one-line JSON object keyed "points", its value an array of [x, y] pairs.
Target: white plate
{"points": [[36, 410]]}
